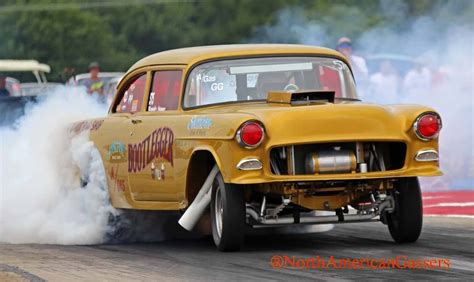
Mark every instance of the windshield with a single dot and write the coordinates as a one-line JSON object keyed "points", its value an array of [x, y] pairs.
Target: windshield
{"points": [[241, 80]]}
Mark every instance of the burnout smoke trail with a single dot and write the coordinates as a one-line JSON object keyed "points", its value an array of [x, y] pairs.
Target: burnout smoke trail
{"points": [[41, 200], [443, 48]]}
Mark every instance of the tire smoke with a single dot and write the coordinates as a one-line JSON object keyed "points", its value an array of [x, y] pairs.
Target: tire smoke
{"points": [[41, 199], [53, 187], [436, 47]]}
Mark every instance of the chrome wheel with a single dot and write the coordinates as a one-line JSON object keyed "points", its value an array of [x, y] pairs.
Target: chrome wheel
{"points": [[227, 215], [219, 211]]}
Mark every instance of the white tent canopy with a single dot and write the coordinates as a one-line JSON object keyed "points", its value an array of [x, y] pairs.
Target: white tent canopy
{"points": [[33, 66], [23, 65]]}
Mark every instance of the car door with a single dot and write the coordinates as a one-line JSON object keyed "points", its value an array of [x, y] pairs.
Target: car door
{"points": [[151, 157], [116, 135]]}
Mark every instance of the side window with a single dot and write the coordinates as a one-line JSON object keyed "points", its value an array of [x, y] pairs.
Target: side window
{"points": [[165, 91], [132, 99]]}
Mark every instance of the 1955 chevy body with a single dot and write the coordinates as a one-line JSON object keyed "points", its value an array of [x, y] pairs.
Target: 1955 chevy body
{"points": [[262, 135]]}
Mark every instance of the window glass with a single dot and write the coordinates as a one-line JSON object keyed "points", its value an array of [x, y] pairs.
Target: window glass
{"points": [[165, 91], [240, 80], [132, 99], [330, 80]]}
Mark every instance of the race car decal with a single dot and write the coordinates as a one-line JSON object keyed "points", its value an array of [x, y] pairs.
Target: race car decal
{"points": [[86, 125], [157, 173], [197, 122], [117, 152], [118, 183], [159, 144]]}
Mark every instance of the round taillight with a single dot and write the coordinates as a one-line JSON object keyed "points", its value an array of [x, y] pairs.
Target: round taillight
{"points": [[250, 134], [427, 126]]}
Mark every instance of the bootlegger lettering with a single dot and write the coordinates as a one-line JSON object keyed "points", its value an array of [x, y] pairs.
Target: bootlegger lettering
{"points": [[159, 144]]}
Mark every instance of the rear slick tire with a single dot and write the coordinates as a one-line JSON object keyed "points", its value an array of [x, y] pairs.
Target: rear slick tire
{"points": [[227, 215], [405, 223]]}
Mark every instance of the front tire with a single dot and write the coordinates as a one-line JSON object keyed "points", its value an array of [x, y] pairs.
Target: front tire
{"points": [[227, 215], [406, 221]]}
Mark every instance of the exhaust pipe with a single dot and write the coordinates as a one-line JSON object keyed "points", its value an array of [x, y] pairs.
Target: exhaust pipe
{"points": [[194, 212]]}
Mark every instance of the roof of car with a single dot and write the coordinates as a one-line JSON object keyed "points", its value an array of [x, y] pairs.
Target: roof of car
{"points": [[191, 55]]}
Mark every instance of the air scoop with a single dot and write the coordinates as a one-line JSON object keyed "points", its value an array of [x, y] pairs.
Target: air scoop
{"points": [[301, 97]]}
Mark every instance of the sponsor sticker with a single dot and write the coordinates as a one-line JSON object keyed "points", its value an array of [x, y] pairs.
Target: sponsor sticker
{"points": [[117, 152], [135, 105], [197, 122]]}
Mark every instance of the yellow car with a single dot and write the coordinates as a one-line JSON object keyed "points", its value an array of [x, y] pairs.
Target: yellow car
{"points": [[262, 135]]}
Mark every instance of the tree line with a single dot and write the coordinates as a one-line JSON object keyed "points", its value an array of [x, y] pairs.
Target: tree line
{"points": [[72, 33]]}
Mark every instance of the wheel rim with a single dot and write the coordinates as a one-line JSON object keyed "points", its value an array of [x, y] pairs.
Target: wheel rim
{"points": [[395, 215], [218, 211]]}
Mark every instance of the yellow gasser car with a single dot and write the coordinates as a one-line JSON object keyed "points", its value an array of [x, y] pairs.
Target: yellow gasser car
{"points": [[263, 135]]}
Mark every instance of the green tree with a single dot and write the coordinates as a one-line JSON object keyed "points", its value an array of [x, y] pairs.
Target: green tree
{"points": [[116, 34], [160, 27], [64, 38]]}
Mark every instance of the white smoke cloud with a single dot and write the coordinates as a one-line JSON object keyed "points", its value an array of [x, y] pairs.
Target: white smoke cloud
{"points": [[292, 27], [41, 200], [444, 48], [447, 57]]}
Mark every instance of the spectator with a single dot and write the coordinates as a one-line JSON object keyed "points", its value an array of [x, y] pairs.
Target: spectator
{"points": [[3, 87], [344, 45], [417, 81], [67, 73], [384, 84], [94, 84]]}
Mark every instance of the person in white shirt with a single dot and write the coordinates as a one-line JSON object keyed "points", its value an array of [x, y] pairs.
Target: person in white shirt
{"points": [[417, 81], [359, 66], [384, 84]]}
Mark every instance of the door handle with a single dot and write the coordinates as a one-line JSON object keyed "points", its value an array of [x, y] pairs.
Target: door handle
{"points": [[136, 121]]}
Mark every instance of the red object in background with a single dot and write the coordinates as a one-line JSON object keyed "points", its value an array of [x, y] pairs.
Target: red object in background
{"points": [[329, 80], [449, 203], [16, 87]]}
